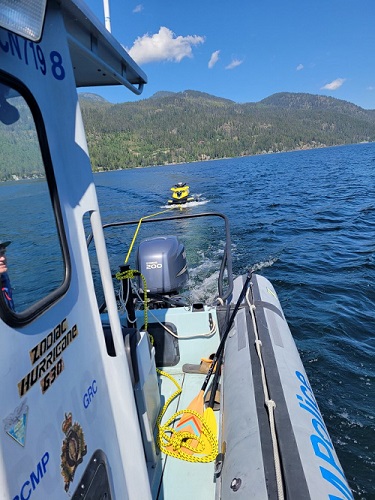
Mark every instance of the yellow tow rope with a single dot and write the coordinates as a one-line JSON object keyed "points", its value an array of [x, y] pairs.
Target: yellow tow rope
{"points": [[131, 273], [172, 442], [138, 228], [169, 440]]}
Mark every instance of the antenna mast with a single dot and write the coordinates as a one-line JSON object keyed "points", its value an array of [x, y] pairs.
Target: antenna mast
{"points": [[107, 19]]}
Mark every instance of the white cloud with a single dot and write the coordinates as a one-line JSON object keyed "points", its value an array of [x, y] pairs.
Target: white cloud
{"points": [[234, 64], [214, 59], [163, 46], [334, 85], [299, 67], [138, 8]]}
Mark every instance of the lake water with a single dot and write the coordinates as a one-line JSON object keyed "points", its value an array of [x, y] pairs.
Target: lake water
{"points": [[306, 221]]}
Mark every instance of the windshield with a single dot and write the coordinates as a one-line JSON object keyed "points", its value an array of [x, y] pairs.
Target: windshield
{"points": [[31, 260]]}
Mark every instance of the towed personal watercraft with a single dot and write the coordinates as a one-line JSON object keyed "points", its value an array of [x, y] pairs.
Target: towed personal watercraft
{"points": [[180, 194]]}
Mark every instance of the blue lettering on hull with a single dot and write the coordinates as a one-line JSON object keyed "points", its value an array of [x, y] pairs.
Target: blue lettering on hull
{"points": [[31, 484], [321, 442], [32, 55], [89, 395]]}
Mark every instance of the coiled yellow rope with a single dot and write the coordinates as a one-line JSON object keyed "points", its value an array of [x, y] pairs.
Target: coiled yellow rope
{"points": [[172, 442]]}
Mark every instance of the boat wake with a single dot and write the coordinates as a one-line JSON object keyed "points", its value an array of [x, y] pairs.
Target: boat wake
{"points": [[203, 276], [263, 264], [189, 204]]}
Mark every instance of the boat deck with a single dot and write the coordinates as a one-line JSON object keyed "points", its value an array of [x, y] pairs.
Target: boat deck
{"points": [[180, 478]]}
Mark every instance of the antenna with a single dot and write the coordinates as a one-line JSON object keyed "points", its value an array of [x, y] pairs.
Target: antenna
{"points": [[107, 19]]}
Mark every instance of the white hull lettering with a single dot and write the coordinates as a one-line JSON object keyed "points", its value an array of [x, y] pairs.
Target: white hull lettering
{"points": [[153, 265]]}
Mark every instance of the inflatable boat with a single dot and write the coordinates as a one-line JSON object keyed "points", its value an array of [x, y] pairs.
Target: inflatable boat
{"points": [[115, 383], [235, 405]]}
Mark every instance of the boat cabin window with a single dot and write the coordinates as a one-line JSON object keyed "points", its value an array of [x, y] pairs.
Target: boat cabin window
{"points": [[33, 255]]}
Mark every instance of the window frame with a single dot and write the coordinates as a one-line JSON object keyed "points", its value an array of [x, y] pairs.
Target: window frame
{"points": [[19, 319]]}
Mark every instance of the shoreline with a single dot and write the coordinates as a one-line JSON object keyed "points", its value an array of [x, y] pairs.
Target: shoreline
{"points": [[18, 178], [232, 157]]}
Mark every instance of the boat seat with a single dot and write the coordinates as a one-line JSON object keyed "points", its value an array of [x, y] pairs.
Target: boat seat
{"points": [[167, 351]]}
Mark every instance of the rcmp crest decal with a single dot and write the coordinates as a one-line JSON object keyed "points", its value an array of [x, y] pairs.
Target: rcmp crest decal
{"points": [[73, 449]]}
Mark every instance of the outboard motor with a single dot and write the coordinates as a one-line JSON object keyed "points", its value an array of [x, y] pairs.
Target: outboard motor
{"points": [[162, 261]]}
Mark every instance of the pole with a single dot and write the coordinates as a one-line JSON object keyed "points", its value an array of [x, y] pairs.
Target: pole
{"points": [[107, 19]]}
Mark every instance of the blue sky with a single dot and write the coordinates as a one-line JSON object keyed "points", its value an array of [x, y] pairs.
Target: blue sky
{"points": [[246, 50]]}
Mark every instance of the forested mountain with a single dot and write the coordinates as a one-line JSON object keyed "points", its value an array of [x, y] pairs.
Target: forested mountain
{"points": [[20, 155], [188, 126]]}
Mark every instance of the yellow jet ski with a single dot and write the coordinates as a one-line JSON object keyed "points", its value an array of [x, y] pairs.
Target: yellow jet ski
{"points": [[180, 194]]}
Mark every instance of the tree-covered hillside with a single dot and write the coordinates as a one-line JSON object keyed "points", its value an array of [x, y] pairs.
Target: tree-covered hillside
{"points": [[189, 126], [20, 155]]}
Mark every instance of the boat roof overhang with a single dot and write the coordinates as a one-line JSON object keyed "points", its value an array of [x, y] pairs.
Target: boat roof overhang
{"points": [[97, 58]]}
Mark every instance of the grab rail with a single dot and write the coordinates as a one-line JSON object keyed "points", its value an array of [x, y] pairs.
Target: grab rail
{"points": [[226, 263]]}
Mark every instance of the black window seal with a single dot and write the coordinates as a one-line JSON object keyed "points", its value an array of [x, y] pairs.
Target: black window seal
{"points": [[13, 318]]}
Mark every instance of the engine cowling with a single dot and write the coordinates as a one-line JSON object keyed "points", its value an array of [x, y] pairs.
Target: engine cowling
{"points": [[162, 261]]}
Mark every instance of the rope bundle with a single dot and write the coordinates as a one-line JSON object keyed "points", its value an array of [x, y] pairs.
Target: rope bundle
{"points": [[173, 443]]}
